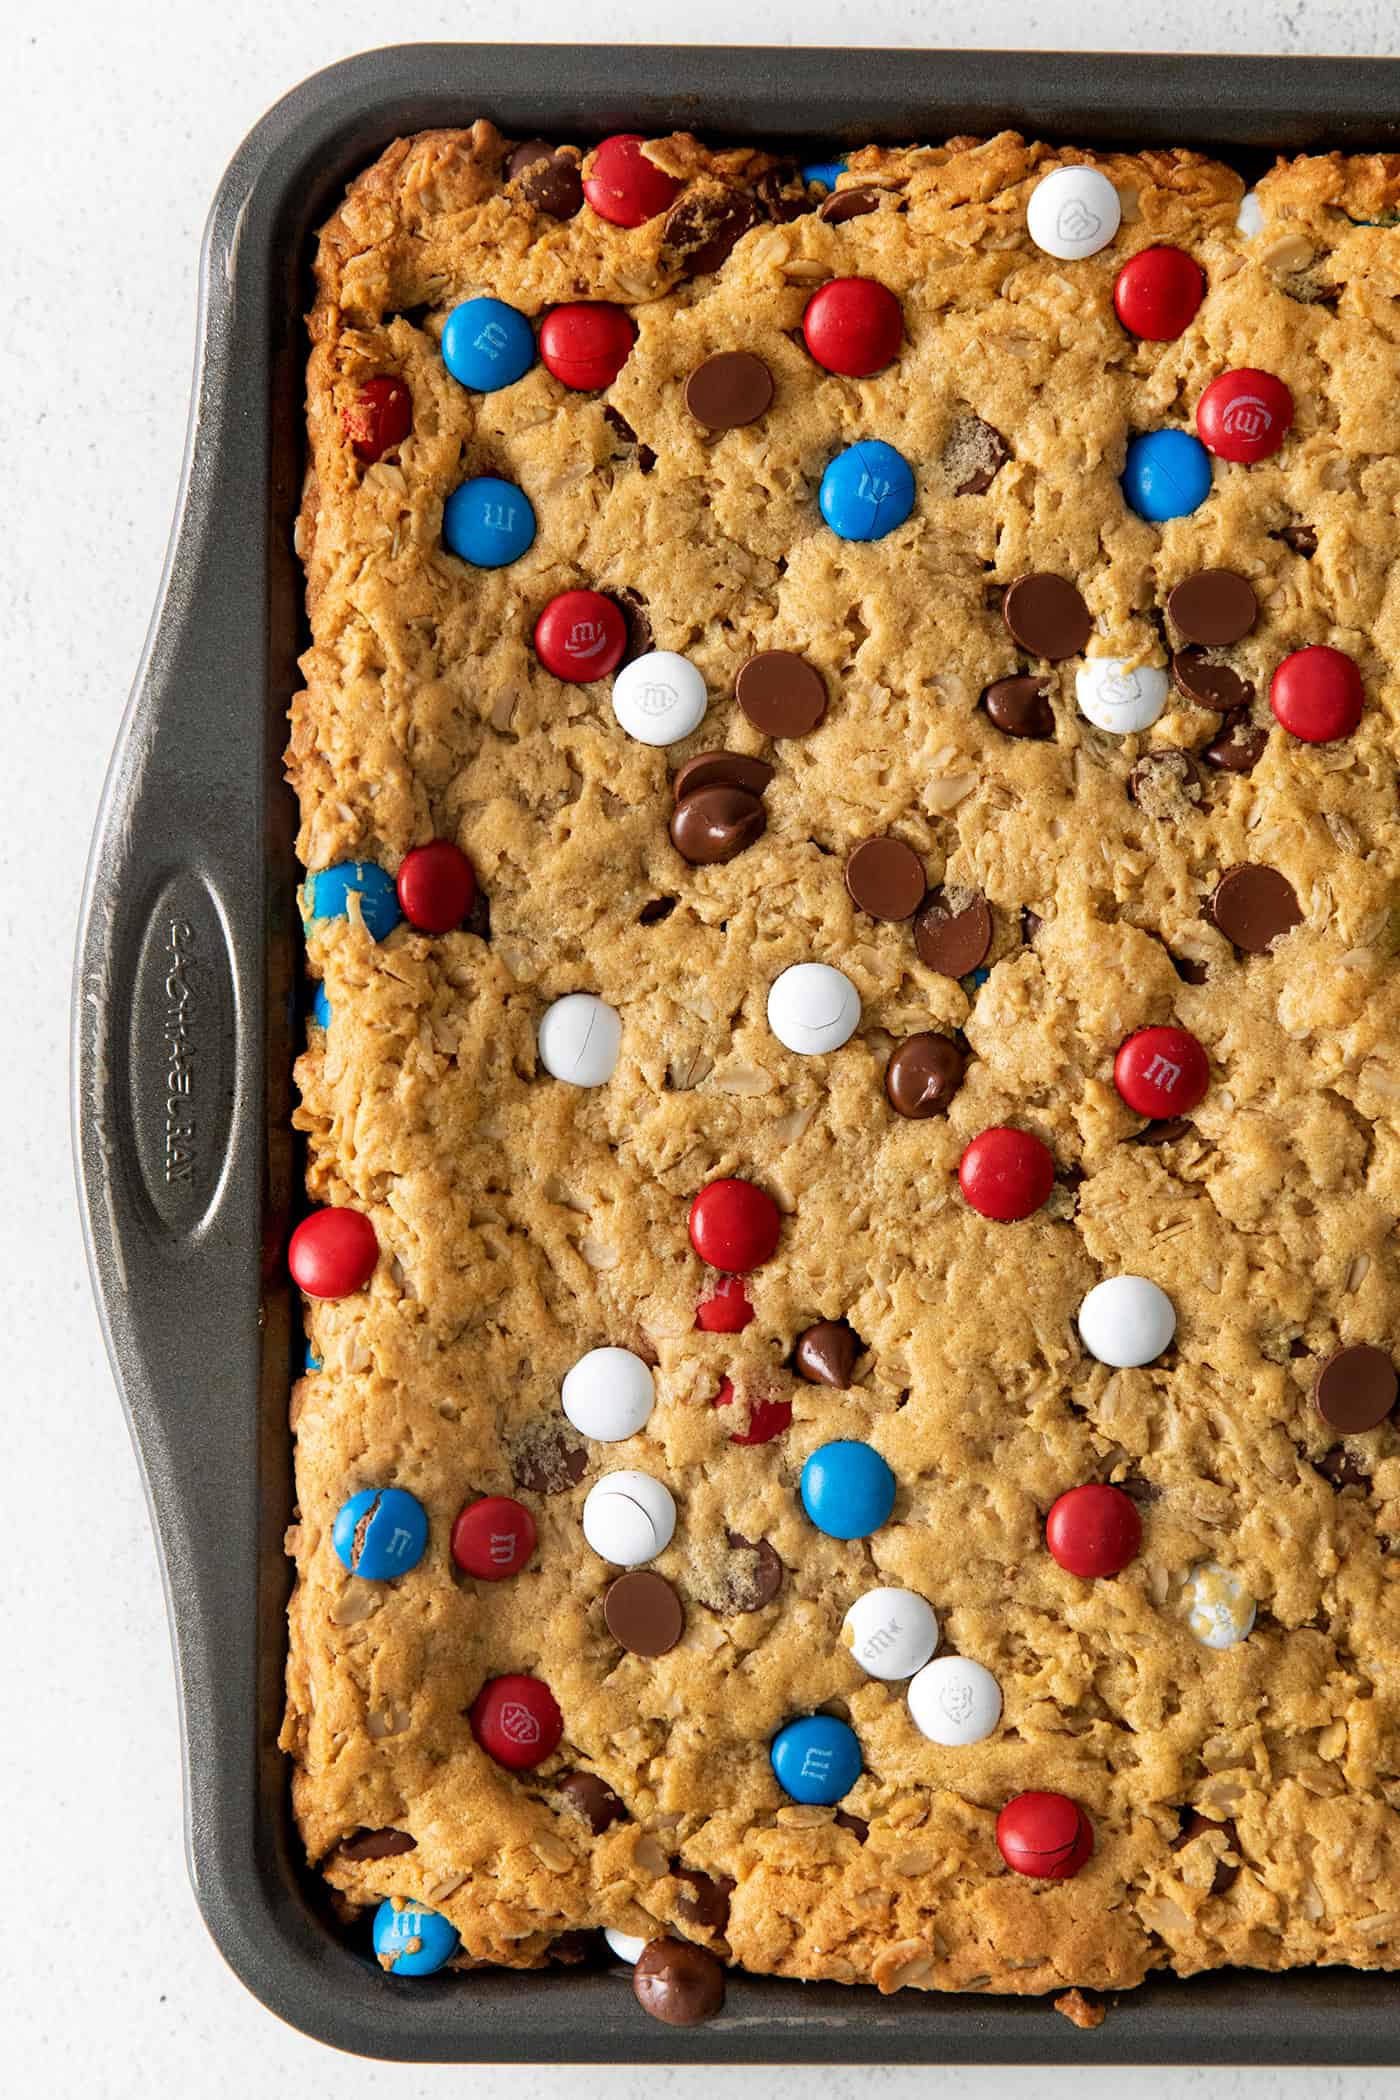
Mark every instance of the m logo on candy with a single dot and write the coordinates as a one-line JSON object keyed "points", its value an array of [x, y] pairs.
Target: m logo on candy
{"points": [[656, 699], [587, 638], [1076, 222], [1247, 417], [518, 1724]]}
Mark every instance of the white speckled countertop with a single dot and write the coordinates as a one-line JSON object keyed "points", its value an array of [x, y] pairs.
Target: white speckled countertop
{"points": [[120, 119]]}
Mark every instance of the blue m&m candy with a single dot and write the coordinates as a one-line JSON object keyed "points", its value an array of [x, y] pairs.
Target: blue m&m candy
{"points": [[824, 171], [313, 1361], [488, 522], [816, 1759], [330, 892], [380, 1533], [412, 1942], [867, 490], [321, 1007], [1167, 475], [847, 1490], [487, 344]]}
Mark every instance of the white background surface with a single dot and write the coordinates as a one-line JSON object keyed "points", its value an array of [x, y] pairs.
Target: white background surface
{"points": [[119, 121]]}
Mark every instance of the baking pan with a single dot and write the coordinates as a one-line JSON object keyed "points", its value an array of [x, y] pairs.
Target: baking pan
{"points": [[187, 1017]]}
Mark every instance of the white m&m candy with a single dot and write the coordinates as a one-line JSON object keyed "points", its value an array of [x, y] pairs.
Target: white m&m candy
{"points": [[1249, 219], [1219, 1609], [813, 1008], [659, 698], [954, 1702], [608, 1394], [1125, 1320], [579, 1039], [625, 1945], [891, 1633], [1118, 699], [1073, 212], [628, 1518]]}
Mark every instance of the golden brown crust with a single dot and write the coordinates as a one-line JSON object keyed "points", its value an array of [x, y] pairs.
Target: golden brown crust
{"points": [[522, 1222]]}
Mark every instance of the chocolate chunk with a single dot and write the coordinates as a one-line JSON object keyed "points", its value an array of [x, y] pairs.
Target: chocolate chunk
{"points": [[643, 1613], [1031, 923], [656, 909], [826, 1353], [782, 194], [646, 460], [1193, 1825], [546, 1460], [1341, 1470], [953, 932], [729, 390], [705, 230], [377, 1844], [712, 824], [1047, 616], [1355, 1388], [974, 455], [886, 878], [593, 1799], [1301, 538], [1210, 684], [1238, 748], [1214, 607], [721, 769], [478, 919], [548, 178], [751, 1583], [1160, 781], [781, 693], [923, 1074], [1165, 1131], [705, 1899], [634, 611], [1255, 906], [1142, 1492], [678, 1983], [1020, 706], [574, 1947], [857, 1825], [853, 203], [1188, 969]]}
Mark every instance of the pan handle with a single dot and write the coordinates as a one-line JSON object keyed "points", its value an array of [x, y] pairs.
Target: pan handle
{"points": [[182, 996]]}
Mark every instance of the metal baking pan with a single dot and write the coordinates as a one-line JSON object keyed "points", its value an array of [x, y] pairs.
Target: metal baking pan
{"points": [[186, 1018]]}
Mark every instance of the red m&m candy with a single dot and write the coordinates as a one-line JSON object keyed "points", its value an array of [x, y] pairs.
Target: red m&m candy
{"points": [[580, 636], [1093, 1530], [734, 1225], [622, 185], [332, 1253], [1317, 694], [853, 326], [767, 1418], [493, 1538], [517, 1721], [436, 887], [1006, 1173], [1157, 292], [1162, 1072], [1244, 415], [379, 417], [725, 1311], [1047, 1836], [586, 346]]}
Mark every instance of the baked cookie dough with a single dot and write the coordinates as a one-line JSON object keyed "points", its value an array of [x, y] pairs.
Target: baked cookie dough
{"points": [[948, 562]]}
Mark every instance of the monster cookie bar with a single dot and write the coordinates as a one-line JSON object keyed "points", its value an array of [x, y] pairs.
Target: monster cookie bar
{"points": [[847, 777]]}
